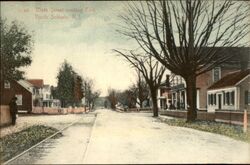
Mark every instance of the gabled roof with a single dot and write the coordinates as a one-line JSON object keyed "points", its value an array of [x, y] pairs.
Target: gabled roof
{"points": [[25, 83], [230, 79], [18, 82], [36, 82]]}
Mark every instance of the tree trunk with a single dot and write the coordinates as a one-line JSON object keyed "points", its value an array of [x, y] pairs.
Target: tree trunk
{"points": [[141, 101], [154, 101], [191, 98]]}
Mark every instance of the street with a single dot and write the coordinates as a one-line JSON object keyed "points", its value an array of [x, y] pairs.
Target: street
{"points": [[113, 137], [138, 138]]}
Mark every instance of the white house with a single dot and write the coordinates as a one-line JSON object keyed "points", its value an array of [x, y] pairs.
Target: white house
{"points": [[232, 92], [41, 94], [47, 98]]}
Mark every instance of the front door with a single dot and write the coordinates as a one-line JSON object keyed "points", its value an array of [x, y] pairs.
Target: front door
{"points": [[219, 101]]}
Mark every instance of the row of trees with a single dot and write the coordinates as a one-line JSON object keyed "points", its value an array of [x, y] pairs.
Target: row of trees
{"points": [[134, 96], [182, 37], [71, 88]]}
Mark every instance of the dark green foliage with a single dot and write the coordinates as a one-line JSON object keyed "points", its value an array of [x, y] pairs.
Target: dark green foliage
{"points": [[16, 47], [65, 84], [14, 144], [69, 88]]}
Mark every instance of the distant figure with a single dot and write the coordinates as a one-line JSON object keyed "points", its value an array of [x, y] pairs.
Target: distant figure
{"points": [[13, 110]]}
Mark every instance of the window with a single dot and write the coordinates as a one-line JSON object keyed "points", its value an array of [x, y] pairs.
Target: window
{"points": [[19, 99], [229, 98], [212, 99], [161, 92], [216, 74], [6, 84], [247, 97]]}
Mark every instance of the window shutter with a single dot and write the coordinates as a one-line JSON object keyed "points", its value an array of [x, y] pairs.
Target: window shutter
{"points": [[232, 98], [214, 99], [224, 98], [227, 98]]}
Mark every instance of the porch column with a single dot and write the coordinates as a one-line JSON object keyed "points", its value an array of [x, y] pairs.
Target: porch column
{"points": [[198, 98], [180, 99], [185, 93], [237, 98]]}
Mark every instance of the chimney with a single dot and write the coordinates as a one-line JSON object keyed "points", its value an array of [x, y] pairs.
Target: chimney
{"points": [[244, 60], [167, 81]]}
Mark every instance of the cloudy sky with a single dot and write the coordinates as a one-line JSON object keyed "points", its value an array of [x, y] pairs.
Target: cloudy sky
{"points": [[83, 33]]}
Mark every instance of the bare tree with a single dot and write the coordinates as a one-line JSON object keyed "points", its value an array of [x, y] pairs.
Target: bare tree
{"points": [[140, 89], [127, 98], [185, 35], [112, 97], [151, 70], [90, 93]]}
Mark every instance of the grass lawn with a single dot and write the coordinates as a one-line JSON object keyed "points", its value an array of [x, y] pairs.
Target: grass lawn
{"points": [[13, 144], [233, 131]]}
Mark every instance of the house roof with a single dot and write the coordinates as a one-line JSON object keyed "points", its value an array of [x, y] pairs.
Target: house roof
{"points": [[18, 82], [36, 82], [230, 79], [25, 83]]}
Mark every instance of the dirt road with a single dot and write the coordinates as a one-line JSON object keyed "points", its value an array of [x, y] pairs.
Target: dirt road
{"points": [[139, 138], [114, 137]]}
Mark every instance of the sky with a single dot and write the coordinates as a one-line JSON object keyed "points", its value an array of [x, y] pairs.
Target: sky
{"points": [[83, 33]]}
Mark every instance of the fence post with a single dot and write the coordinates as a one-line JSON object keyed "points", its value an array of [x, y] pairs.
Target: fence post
{"points": [[245, 121]]}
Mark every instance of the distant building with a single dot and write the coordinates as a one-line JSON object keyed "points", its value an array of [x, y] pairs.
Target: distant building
{"points": [[164, 95], [37, 91], [12, 88]]}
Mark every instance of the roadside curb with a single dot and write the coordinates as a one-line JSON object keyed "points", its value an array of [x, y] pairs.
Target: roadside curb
{"points": [[117, 110], [163, 118], [37, 144], [85, 154]]}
